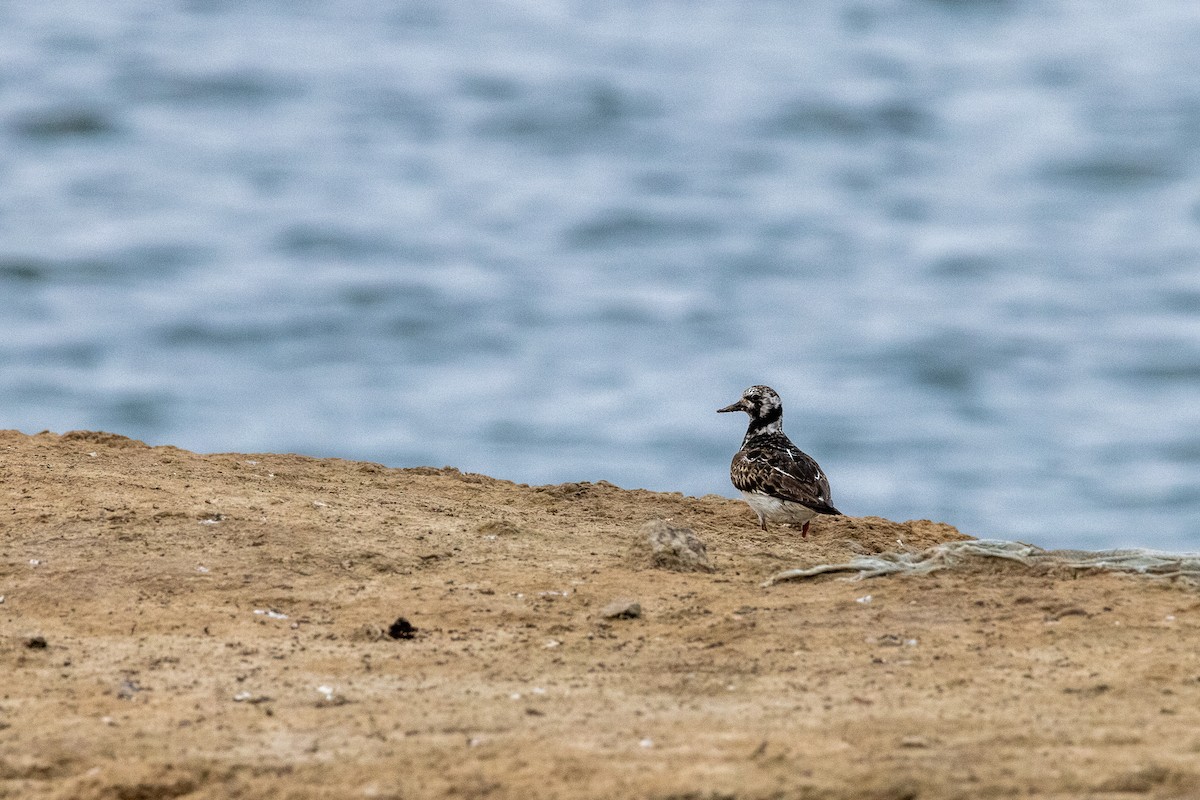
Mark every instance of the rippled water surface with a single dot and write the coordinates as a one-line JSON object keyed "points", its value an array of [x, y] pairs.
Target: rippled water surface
{"points": [[546, 240]]}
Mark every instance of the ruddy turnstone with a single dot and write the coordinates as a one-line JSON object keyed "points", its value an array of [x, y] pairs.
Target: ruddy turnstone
{"points": [[778, 481]]}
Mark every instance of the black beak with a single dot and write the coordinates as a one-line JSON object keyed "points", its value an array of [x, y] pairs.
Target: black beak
{"points": [[735, 407]]}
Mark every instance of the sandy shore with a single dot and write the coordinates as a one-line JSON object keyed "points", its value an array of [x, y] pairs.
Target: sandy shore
{"points": [[210, 626]]}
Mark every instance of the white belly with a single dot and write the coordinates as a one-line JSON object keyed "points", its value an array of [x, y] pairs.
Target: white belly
{"points": [[775, 510]]}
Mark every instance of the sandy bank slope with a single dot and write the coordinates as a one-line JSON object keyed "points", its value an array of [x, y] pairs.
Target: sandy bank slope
{"points": [[213, 626]]}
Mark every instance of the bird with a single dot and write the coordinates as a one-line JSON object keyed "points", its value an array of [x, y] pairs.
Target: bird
{"points": [[779, 481]]}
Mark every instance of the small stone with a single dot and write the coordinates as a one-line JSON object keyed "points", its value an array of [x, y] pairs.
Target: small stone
{"points": [[622, 609], [251, 698], [330, 697], [402, 629], [674, 547], [369, 632], [270, 613], [36, 643]]}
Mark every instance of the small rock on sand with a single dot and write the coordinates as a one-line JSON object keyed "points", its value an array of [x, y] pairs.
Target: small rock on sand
{"points": [[674, 547], [622, 609], [401, 629]]}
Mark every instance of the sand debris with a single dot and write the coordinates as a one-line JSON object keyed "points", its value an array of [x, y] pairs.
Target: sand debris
{"points": [[962, 554]]}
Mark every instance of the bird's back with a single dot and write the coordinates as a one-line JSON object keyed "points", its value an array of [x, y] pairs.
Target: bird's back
{"points": [[770, 464]]}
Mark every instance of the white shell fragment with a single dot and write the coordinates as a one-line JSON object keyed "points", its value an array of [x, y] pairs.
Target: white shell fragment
{"points": [[270, 613]]}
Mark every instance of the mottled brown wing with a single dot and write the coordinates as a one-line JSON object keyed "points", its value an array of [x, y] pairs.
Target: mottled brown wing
{"points": [[785, 473]]}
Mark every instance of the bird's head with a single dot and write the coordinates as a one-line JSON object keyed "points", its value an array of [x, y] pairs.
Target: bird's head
{"points": [[760, 402]]}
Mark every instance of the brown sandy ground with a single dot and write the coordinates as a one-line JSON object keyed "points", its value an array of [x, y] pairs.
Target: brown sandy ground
{"points": [[145, 652]]}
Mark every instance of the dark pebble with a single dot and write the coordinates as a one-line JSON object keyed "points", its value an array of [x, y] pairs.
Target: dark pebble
{"points": [[401, 629]]}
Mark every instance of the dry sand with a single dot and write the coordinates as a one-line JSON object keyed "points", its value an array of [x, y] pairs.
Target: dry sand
{"points": [[210, 626]]}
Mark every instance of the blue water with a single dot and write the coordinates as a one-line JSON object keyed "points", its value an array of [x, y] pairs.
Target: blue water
{"points": [[546, 240]]}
